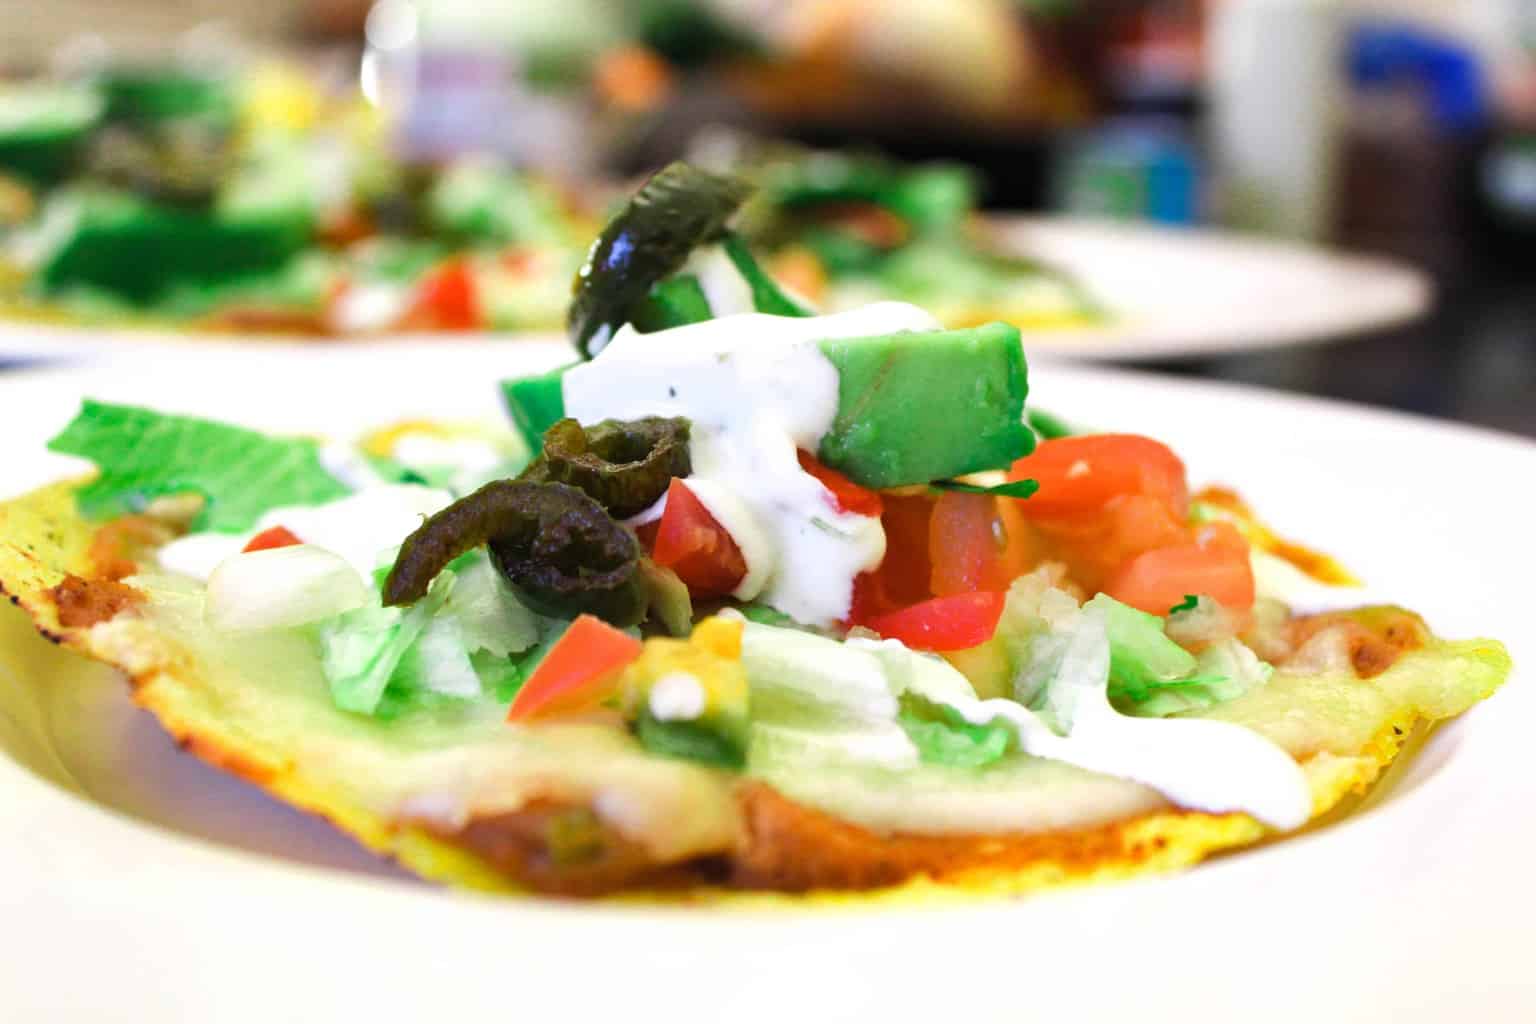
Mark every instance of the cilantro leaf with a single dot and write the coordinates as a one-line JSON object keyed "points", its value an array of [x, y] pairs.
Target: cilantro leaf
{"points": [[1049, 427], [141, 455], [1011, 489], [1189, 604]]}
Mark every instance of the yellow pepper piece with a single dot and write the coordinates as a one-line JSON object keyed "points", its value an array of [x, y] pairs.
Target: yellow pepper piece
{"points": [[712, 655]]}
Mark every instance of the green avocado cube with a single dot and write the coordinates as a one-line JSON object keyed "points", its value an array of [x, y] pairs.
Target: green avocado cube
{"points": [[921, 406]]}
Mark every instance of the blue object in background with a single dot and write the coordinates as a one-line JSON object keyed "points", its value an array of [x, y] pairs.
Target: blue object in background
{"points": [[1133, 169], [1446, 76]]}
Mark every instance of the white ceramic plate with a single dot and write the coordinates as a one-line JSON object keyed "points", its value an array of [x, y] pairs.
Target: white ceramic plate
{"points": [[1170, 293], [35, 343], [141, 886]]}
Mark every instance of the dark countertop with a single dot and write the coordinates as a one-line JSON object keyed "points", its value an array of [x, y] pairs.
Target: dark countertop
{"points": [[1473, 359]]}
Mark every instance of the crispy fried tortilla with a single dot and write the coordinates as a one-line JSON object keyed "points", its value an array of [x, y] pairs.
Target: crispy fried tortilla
{"points": [[465, 799]]}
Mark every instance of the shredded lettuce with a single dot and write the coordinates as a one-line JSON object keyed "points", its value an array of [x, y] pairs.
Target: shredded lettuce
{"points": [[1224, 672], [1054, 646], [438, 661], [505, 681], [943, 736], [361, 649], [503, 677], [1141, 656], [492, 618], [141, 455], [468, 637]]}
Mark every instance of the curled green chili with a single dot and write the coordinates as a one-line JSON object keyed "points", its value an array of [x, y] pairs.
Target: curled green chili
{"points": [[560, 550], [680, 208], [625, 466]]}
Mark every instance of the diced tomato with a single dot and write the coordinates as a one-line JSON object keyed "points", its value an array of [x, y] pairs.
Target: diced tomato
{"points": [[800, 270], [1081, 475], [633, 78], [951, 623], [1104, 499], [847, 496], [276, 537], [868, 222], [974, 546], [579, 672], [446, 298], [692, 544], [1021, 543], [519, 262], [1214, 565], [904, 576]]}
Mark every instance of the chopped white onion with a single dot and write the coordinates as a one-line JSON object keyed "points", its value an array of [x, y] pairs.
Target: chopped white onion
{"points": [[281, 588]]}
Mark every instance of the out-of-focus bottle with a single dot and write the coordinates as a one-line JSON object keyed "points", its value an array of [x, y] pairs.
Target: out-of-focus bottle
{"points": [[460, 77], [1275, 70]]}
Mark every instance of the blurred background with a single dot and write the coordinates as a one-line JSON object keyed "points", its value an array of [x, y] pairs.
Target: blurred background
{"points": [[1399, 128]]}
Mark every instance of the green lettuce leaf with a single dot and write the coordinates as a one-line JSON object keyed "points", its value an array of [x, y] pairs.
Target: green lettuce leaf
{"points": [[362, 650], [141, 455], [943, 736], [1142, 658]]}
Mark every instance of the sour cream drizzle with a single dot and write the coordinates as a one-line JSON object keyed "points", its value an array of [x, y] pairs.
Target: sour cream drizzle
{"points": [[756, 388], [362, 528], [1205, 765]]}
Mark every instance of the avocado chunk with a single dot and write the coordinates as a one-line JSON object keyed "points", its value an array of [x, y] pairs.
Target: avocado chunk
{"points": [[919, 406]]}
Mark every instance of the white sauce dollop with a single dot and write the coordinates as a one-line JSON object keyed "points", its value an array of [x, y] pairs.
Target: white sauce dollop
{"points": [[369, 306], [677, 697], [362, 528], [756, 388]]}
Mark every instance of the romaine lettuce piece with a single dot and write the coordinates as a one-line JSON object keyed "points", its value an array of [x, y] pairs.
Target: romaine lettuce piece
{"points": [[141, 454]]}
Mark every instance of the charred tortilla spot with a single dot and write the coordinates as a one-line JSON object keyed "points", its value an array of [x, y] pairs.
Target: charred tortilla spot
{"points": [[792, 848], [1374, 637], [83, 603], [565, 850], [117, 547]]}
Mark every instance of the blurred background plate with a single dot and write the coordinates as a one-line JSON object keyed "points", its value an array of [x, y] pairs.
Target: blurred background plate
{"points": [[1164, 293]]}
